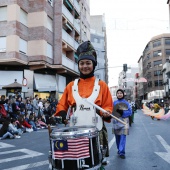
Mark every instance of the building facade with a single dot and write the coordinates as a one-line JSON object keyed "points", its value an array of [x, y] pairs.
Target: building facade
{"points": [[98, 39], [155, 55], [38, 42]]}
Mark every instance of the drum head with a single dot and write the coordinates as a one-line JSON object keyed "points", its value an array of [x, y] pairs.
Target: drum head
{"points": [[122, 106], [74, 132]]}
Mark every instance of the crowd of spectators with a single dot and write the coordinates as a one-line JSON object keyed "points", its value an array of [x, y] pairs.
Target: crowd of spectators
{"points": [[20, 115]]}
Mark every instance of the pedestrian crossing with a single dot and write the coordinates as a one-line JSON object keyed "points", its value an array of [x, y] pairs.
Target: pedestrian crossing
{"points": [[18, 154], [29, 166]]}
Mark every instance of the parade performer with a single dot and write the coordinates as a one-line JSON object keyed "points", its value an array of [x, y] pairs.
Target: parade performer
{"points": [[85, 84], [120, 130]]}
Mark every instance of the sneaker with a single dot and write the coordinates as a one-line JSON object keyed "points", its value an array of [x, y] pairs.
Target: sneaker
{"points": [[17, 137], [105, 162], [122, 156]]}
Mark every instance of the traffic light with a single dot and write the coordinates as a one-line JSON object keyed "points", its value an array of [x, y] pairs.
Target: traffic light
{"points": [[124, 67]]}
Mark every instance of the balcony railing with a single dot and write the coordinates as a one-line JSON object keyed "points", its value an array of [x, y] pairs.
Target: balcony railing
{"points": [[69, 63], [77, 6], [68, 39], [67, 14], [77, 25]]}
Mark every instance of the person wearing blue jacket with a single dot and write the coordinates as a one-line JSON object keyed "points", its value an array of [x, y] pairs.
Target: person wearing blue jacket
{"points": [[122, 110]]}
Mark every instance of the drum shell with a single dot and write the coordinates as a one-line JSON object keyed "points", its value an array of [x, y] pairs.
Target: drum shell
{"points": [[73, 133]]}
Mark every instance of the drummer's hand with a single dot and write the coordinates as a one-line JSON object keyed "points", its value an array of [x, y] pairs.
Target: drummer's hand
{"points": [[105, 115], [66, 122]]}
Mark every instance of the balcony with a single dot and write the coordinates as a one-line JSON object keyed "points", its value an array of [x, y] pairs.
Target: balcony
{"points": [[69, 63], [67, 14], [77, 25], [77, 6], [69, 40]]}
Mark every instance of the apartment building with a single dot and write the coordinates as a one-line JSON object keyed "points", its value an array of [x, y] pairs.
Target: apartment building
{"points": [[127, 82], [38, 42], [155, 55], [98, 39]]}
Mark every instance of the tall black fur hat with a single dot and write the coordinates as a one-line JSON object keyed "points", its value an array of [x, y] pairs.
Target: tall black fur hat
{"points": [[87, 51]]}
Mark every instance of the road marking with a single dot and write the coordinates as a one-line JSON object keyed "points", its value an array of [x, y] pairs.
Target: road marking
{"points": [[29, 154], [5, 145], [164, 155], [29, 166], [111, 142]]}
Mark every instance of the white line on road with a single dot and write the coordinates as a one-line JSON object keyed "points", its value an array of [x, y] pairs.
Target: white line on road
{"points": [[163, 142], [111, 142], [164, 155], [29, 166], [29, 154], [5, 145]]}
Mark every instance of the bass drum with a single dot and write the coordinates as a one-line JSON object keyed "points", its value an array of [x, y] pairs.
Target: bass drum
{"points": [[75, 148]]}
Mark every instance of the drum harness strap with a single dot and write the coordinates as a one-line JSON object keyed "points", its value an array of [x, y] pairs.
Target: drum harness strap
{"points": [[94, 94], [84, 111], [83, 108]]}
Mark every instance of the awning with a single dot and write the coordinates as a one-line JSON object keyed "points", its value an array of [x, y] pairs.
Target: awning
{"points": [[14, 85], [45, 82]]}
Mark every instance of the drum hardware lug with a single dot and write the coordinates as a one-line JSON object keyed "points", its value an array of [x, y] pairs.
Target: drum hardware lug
{"points": [[95, 119], [84, 165], [74, 119]]}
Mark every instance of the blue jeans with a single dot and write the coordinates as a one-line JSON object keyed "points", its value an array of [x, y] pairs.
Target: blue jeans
{"points": [[121, 142], [7, 134], [32, 123]]}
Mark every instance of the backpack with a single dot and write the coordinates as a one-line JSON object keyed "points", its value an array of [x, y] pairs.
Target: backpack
{"points": [[3, 112]]}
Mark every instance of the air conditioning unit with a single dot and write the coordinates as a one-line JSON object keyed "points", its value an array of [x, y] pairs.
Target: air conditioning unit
{"points": [[51, 2]]}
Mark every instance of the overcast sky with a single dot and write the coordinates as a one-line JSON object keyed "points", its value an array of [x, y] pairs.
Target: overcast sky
{"points": [[130, 25]]}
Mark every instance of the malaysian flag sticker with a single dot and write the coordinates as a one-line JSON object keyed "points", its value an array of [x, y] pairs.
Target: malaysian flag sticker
{"points": [[60, 145]]}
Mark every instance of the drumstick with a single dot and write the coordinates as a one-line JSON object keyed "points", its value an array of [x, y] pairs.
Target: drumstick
{"points": [[68, 112], [104, 111]]}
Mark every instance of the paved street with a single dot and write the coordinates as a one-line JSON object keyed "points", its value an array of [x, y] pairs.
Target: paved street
{"points": [[147, 148]]}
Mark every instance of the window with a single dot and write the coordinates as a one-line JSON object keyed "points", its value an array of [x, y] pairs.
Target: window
{"points": [[150, 84], [96, 40], [148, 57], [156, 43], [148, 76], [158, 83], [157, 72], [167, 52], [51, 2], [49, 50], [50, 24], [149, 65], [22, 46], [156, 53], [167, 41], [23, 17], [157, 62], [2, 44], [3, 13]]}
